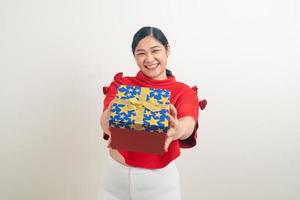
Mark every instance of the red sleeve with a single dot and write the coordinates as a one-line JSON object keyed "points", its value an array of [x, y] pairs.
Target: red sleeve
{"points": [[188, 105], [110, 93]]}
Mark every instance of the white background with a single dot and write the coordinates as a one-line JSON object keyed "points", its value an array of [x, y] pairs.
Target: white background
{"points": [[56, 55]]}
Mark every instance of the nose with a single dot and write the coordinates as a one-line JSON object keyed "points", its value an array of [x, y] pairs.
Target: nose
{"points": [[149, 58]]}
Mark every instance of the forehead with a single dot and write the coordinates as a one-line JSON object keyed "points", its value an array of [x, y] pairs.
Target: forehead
{"points": [[147, 43]]}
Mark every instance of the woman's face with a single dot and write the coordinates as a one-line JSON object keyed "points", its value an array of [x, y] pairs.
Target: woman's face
{"points": [[151, 57]]}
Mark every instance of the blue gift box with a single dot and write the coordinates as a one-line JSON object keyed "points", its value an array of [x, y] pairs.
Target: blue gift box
{"points": [[141, 109]]}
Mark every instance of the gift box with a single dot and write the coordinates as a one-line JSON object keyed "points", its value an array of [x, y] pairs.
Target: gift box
{"points": [[139, 119]]}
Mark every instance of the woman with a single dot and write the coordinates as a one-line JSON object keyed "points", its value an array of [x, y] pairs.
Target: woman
{"points": [[132, 175]]}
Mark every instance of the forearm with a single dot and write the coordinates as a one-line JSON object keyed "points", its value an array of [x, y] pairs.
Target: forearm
{"points": [[187, 125], [104, 122]]}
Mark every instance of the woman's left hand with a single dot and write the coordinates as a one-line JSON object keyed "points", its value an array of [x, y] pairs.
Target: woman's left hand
{"points": [[176, 130]]}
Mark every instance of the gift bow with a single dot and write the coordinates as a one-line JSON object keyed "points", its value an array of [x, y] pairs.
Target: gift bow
{"points": [[139, 105], [135, 104]]}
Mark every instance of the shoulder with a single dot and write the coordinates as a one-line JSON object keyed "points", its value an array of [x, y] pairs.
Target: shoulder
{"points": [[186, 88], [118, 79], [191, 92], [121, 79]]}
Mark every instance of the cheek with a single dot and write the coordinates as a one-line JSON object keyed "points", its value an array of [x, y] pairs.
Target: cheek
{"points": [[139, 61], [162, 58]]}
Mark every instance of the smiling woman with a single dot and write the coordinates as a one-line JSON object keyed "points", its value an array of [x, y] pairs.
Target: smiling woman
{"points": [[142, 175], [151, 53]]}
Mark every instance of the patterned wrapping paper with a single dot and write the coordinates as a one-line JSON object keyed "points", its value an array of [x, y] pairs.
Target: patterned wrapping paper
{"points": [[141, 108]]}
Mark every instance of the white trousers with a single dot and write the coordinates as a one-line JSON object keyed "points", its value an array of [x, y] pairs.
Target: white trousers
{"points": [[119, 182]]}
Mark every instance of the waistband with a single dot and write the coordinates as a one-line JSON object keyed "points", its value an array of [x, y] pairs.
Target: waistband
{"points": [[139, 170]]}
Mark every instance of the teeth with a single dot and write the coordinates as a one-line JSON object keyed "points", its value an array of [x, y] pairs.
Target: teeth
{"points": [[151, 66]]}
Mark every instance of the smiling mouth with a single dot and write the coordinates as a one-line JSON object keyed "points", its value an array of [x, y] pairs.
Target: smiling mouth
{"points": [[153, 66]]}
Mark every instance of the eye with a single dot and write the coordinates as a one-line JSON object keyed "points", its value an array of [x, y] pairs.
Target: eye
{"points": [[156, 50]]}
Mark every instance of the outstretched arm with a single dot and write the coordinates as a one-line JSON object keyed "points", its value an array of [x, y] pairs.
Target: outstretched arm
{"points": [[179, 128]]}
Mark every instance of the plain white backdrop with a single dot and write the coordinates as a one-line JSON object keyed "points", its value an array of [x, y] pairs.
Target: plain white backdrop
{"points": [[56, 55]]}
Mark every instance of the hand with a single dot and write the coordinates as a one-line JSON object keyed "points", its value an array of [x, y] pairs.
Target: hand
{"points": [[105, 123], [175, 131]]}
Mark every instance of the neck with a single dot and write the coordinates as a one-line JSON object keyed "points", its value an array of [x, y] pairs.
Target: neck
{"points": [[159, 83], [162, 76]]}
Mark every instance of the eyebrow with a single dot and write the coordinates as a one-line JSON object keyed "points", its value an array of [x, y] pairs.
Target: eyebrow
{"points": [[150, 48]]}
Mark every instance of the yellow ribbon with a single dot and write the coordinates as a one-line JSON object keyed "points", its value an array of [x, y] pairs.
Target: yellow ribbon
{"points": [[139, 105]]}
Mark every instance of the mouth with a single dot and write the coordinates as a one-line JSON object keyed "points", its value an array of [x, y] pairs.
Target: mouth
{"points": [[153, 66]]}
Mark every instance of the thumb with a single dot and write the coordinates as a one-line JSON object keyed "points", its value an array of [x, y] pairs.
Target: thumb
{"points": [[109, 107], [167, 143]]}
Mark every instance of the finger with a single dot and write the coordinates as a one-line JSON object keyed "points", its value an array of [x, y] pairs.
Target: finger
{"points": [[167, 143], [109, 142], [173, 111], [109, 107], [108, 115], [171, 132], [172, 121]]}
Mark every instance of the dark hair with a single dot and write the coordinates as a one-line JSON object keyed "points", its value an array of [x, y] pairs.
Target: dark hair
{"points": [[154, 32], [149, 31]]}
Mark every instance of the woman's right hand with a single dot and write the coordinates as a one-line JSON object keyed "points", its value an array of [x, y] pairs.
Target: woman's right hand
{"points": [[105, 122]]}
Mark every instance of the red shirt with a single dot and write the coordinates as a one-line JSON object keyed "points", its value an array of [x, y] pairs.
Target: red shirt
{"points": [[183, 98]]}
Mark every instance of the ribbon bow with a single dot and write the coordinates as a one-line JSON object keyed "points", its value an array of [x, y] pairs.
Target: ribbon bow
{"points": [[141, 104]]}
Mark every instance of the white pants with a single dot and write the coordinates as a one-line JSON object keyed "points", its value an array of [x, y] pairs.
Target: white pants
{"points": [[119, 182]]}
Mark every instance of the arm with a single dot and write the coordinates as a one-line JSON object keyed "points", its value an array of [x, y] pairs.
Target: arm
{"points": [[104, 121], [187, 125], [187, 112], [110, 93], [181, 129]]}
